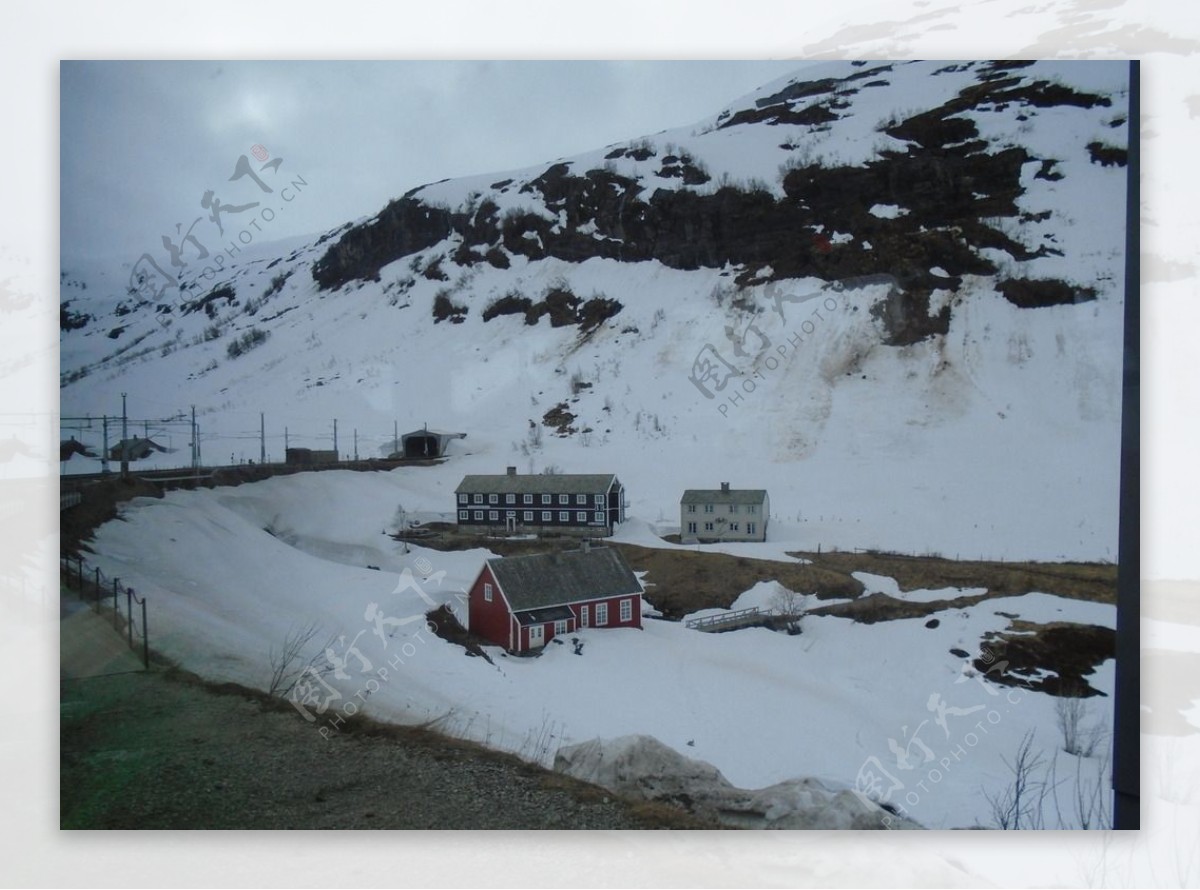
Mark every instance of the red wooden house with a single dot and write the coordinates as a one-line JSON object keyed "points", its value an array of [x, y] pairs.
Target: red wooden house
{"points": [[523, 602]]}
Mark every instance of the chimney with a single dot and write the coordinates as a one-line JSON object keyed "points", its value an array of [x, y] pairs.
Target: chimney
{"points": [[512, 471], [725, 486]]}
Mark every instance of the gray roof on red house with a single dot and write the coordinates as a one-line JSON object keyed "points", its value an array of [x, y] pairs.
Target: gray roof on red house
{"points": [[557, 579]]}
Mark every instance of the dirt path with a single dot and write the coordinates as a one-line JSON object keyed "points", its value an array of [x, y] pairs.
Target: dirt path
{"points": [[160, 749]]}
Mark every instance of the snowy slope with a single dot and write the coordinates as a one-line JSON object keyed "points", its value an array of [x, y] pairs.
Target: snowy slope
{"points": [[954, 421], [231, 571]]}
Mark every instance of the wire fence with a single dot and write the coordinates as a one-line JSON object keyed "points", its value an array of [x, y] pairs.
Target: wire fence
{"points": [[111, 599]]}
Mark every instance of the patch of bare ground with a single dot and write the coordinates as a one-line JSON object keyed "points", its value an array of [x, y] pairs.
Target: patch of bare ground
{"points": [[1023, 653], [685, 580]]}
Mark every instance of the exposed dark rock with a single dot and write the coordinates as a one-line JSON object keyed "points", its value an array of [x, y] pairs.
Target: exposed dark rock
{"points": [[444, 308], [1032, 293], [71, 321], [1107, 155], [209, 301], [951, 182], [559, 419], [403, 227]]}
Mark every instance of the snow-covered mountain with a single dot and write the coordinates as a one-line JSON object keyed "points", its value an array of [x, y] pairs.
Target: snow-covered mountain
{"points": [[889, 293]]}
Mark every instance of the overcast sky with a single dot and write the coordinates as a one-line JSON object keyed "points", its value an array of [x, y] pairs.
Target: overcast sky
{"points": [[141, 142]]}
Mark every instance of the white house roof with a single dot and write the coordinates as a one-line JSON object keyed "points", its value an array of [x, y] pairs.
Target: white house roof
{"points": [[723, 496]]}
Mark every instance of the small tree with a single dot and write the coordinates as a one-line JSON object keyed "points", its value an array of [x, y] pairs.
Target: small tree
{"points": [[789, 605], [1071, 711], [286, 664], [1022, 803]]}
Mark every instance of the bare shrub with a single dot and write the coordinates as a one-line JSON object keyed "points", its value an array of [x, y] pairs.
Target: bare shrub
{"points": [[286, 664]]}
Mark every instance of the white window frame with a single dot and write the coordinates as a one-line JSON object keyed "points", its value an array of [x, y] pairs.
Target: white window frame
{"points": [[581, 499], [493, 498], [510, 499], [479, 499], [601, 614], [691, 528], [600, 499], [547, 499], [493, 515], [751, 509], [708, 527], [583, 615], [708, 508], [462, 499], [464, 514], [547, 516], [487, 592], [626, 610], [479, 516], [598, 517], [560, 628], [564, 515], [528, 499], [528, 516], [691, 508], [751, 528], [564, 499]]}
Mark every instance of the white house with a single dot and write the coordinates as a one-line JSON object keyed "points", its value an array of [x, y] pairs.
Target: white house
{"points": [[739, 514]]}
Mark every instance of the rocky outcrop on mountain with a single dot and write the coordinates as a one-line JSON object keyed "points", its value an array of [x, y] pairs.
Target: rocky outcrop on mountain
{"points": [[958, 190]]}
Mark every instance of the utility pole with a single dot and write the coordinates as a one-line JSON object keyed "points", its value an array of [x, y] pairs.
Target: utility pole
{"points": [[262, 438], [124, 439], [285, 443], [395, 436], [104, 453], [335, 450], [356, 443], [195, 444]]}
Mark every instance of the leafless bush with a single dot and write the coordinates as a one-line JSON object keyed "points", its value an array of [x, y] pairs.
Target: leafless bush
{"points": [[1080, 738], [1021, 803], [789, 605], [286, 664]]}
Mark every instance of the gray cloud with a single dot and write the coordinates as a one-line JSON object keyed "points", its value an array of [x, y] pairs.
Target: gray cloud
{"points": [[142, 141]]}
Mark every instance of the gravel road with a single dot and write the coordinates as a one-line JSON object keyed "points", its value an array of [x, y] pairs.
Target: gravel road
{"points": [[164, 750]]}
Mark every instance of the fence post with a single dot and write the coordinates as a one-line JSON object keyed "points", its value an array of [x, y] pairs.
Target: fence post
{"points": [[116, 606], [145, 639], [129, 612], [97, 586]]}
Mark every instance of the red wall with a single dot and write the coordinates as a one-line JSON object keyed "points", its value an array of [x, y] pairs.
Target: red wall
{"points": [[489, 620], [492, 621], [614, 612]]}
